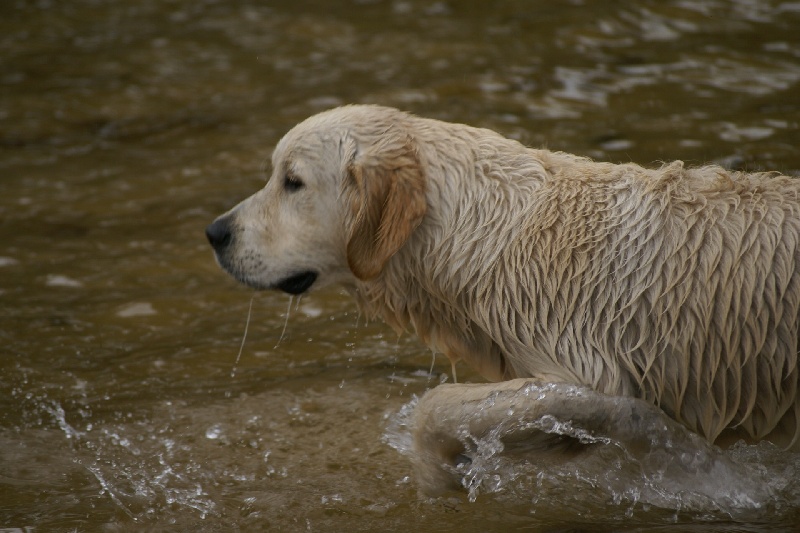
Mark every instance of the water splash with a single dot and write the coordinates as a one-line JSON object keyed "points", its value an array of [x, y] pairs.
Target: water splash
{"points": [[672, 474], [60, 416], [138, 478], [108, 489], [398, 428]]}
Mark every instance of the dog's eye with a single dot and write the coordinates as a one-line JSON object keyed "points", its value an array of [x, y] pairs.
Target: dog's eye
{"points": [[292, 183]]}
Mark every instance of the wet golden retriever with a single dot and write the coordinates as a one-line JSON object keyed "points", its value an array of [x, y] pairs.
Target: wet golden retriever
{"points": [[679, 287]]}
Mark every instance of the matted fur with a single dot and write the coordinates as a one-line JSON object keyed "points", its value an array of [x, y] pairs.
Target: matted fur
{"points": [[678, 286]]}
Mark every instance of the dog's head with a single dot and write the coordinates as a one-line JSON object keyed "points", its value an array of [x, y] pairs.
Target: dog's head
{"points": [[347, 191]]}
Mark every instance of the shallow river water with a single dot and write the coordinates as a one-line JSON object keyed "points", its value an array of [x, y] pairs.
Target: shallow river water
{"points": [[126, 126]]}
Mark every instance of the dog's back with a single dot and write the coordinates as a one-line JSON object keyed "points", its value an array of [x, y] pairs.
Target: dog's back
{"points": [[679, 286]]}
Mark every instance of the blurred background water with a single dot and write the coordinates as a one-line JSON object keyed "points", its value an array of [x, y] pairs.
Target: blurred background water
{"points": [[127, 126]]}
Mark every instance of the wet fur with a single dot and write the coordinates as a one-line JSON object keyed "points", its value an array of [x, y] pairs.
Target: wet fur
{"points": [[677, 286]]}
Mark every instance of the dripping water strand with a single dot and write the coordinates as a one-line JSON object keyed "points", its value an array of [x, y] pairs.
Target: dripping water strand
{"points": [[288, 311], [244, 336], [452, 367]]}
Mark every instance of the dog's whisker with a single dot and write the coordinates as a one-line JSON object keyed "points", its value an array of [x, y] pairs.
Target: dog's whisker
{"points": [[285, 324], [453, 369], [244, 336], [433, 361]]}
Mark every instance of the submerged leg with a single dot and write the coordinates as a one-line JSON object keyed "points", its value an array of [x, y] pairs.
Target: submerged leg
{"points": [[529, 417]]}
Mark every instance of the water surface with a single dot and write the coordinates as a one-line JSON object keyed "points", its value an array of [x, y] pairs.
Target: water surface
{"points": [[125, 127]]}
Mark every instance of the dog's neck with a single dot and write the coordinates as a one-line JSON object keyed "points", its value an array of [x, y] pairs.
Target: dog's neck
{"points": [[435, 281]]}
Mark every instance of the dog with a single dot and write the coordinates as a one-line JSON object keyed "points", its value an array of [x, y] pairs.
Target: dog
{"points": [[675, 287]]}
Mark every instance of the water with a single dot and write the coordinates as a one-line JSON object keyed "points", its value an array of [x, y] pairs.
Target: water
{"points": [[125, 127], [664, 471]]}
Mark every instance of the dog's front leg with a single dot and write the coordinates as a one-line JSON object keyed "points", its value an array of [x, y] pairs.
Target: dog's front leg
{"points": [[553, 420]]}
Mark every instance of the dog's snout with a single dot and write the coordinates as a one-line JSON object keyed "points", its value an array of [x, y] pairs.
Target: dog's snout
{"points": [[219, 233]]}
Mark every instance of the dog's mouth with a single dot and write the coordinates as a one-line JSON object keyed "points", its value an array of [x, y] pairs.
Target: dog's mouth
{"points": [[297, 283]]}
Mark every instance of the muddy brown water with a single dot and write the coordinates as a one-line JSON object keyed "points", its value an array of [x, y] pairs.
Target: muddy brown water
{"points": [[125, 127]]}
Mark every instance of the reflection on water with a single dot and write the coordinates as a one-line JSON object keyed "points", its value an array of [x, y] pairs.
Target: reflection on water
{"points": [[126, 127]]}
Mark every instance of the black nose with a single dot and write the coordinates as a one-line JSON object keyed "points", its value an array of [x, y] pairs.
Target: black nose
{"points": [[219, 233]]}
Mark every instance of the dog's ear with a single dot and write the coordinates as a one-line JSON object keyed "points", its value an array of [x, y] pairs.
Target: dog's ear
{"points": [[387, 202]]}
